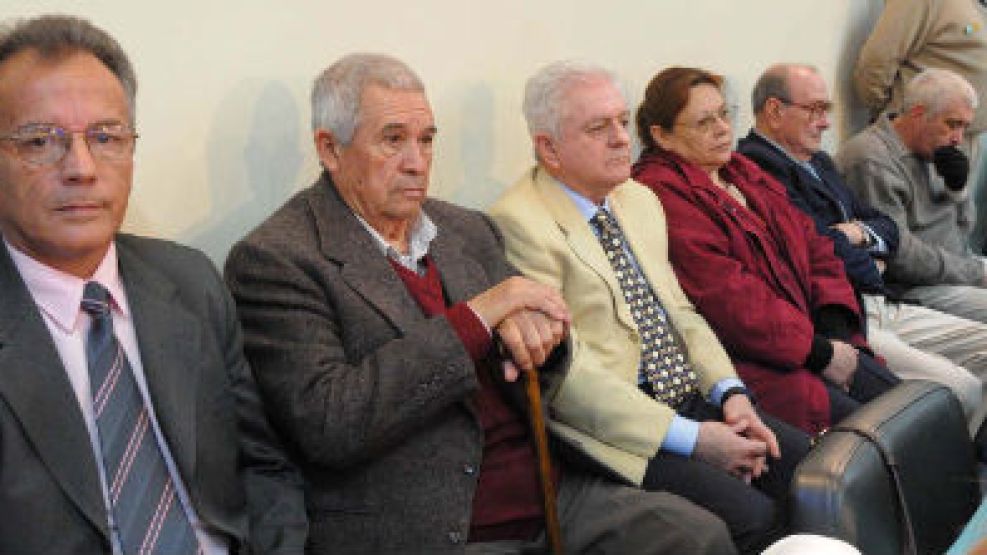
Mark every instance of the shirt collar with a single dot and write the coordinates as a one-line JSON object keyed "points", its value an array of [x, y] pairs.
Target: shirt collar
{"points": [[420, 236], [807, 164], [586, 207], [59, 295]]}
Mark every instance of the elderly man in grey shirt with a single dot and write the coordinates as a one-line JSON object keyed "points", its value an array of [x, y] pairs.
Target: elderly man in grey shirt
{"points": [[907, 166]]}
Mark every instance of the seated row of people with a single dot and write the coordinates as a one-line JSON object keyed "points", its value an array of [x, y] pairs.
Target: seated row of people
{"points": [[874, 218], [386, 331]]}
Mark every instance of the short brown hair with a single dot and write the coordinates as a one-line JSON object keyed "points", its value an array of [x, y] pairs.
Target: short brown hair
{"points": [[666, 96], [53, 36]]}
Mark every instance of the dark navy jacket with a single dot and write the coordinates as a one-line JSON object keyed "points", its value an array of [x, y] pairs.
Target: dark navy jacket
{"points": [[828, 202]]}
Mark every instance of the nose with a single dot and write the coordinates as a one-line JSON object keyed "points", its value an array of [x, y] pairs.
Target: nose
{"points": [[416, 158], [824, 122], [78, 165], [956, 137], [618, 135]]}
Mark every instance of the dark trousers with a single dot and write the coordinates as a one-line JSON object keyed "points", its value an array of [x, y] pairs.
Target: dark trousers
{"points": [[600, 516], [755, 514]]}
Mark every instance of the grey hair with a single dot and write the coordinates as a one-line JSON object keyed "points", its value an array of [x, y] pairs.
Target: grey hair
{"points": [[54, 36], [337, 90], [774, 83], [934, 88], [544, 92]]}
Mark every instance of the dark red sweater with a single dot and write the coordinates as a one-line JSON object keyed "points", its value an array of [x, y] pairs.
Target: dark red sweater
{"points": [[507, 503]]}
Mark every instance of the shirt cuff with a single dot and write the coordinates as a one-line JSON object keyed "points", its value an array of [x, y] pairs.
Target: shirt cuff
{"points": [[681, 436], [721, 387], [471, 329], [877, 246]]}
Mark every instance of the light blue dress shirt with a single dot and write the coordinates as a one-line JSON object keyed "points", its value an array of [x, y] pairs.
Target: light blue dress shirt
{"points": [[683, 432]]}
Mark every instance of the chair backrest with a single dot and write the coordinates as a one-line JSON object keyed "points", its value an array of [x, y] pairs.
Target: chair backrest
{"points": [[899, 471]]}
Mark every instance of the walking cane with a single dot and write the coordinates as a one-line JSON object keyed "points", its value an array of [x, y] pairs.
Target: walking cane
{"points": [[552, 529]]}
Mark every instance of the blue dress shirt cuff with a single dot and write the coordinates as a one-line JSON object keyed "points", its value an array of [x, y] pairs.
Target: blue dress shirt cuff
{"points": [[681, 436], [721, 387]]}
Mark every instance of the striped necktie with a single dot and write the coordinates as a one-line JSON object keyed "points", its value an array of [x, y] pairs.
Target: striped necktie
{"points": [[663, 363], [145, 506]]}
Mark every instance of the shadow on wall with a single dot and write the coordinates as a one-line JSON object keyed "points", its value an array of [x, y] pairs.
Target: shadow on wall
{"points": [[248, 181], [477, 187], [854, 116]]}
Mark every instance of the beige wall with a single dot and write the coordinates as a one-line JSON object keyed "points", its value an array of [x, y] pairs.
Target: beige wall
{"points": [[223, 102]]}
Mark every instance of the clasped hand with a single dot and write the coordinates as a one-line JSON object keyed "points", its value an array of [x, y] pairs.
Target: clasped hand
{"points": [[530, 319], [740, 444]]}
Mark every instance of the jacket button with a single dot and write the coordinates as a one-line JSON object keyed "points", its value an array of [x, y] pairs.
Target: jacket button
{"points": [[455, 537], [469, 469]]}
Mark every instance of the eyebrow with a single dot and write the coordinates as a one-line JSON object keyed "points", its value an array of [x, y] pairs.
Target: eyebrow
{"points": [[624, 114], [97, 123], [402, 126]]}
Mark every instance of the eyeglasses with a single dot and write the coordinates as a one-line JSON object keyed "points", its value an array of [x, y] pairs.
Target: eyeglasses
{"points": [[708, 122], [42, 144], [816, 110]]}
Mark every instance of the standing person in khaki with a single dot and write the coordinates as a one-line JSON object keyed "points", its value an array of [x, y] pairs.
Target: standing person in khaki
{"points": [[129, 419], [912, 35], [372, 317]]}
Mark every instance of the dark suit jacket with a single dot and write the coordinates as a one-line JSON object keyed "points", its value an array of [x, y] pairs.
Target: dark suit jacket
{"points": [[203, 395], [372, 396], [827, 203]]}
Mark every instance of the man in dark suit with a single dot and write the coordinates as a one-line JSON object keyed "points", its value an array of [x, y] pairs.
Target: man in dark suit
{"points": [[129, 421], [371, 318], [791, 107]]}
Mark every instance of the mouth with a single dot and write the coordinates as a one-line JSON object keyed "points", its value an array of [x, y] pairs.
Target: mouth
{"points": [[414, 192], [81, 207]]}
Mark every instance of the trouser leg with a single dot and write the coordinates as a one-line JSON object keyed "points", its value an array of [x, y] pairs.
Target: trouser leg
{"points": [[965, 301], [755, 515], [922, 343], [598, 516]]}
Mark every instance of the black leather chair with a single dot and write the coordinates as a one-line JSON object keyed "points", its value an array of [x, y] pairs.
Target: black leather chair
{"points": [[897, 477]]}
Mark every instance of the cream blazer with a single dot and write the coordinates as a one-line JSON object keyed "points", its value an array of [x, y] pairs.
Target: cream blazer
{"points": [[598, 408]]}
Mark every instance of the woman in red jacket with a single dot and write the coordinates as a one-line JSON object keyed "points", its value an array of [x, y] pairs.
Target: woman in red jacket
{"points": [[768, 284]]}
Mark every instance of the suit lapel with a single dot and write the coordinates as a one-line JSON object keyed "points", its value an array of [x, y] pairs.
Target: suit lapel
{"points": [[344, 240], [35, 386], [584, 243], [168, 339], [462, 277]]}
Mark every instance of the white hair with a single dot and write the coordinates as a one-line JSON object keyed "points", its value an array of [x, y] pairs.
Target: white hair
{"points": [[935, 87], [337, 90], [544, 92]]}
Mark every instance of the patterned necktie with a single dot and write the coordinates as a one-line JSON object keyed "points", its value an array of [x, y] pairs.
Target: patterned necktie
{"points": [[142, 495], [663, 363]]}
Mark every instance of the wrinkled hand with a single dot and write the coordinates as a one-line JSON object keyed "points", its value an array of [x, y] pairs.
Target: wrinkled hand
{"points": [[854, 232], [843, 364], [516, 293], [737, 410], [724, 445], [528, 337]]}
